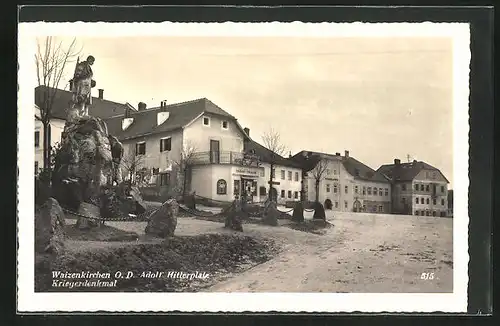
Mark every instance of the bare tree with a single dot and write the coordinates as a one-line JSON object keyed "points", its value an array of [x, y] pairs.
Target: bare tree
{"points": [[130, 165], [185, 162], [318, 173], [51, 59], [272, 141]]}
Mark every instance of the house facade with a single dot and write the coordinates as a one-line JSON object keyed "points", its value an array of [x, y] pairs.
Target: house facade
{"points": [[344, 183], [56, 127], [417, 188], [193, 146]]}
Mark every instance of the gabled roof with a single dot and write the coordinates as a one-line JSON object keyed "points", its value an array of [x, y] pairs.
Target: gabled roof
{"points": [[266, 155], [100, 108], [406, 171], [181, 115], [357, 169]]}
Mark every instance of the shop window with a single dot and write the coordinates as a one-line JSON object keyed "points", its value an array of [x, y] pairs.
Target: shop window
{"points": [[165, 179], [282, 193], [221, 187], [263, 191]]}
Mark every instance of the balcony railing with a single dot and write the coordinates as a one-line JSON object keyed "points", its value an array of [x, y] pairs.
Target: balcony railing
{"points": [[224, 157]]}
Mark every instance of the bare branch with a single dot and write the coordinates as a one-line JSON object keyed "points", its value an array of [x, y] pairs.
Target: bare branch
{"points": [[272, 141], [318, 173]]}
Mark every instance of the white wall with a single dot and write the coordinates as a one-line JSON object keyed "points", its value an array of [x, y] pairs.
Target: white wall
{"points": [[199, 135], [56, 129], [294, 185]]}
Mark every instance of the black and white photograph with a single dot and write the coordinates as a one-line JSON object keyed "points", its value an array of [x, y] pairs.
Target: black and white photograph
{"points": [[243, 167]]}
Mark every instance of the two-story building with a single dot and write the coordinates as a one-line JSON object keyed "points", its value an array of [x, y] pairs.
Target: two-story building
{"points": [[418, 188], [286, 174], [344, 182], [184, 147], [60, 102]]}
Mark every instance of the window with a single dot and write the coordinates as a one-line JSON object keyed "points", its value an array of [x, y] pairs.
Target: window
{"points": [[164, 179], [273, 173], [262, 172], [403, 200], [346, 204], [36, 167], [224, 125], [403, 186], [221, 187], [381, 209], [334, 189], [380, 191], [296, 195], [236, 187], [37, 138], [346, 189], [427, 188], [416, 200], [262, 191], [426, 213], [327, 188], [289, 194], [282, 174], [165, 144], [282, 193], [369, 190], [434, 201], [334, 171], [156, 171], [427, 201], [290, 175], [442, 202], [364, 190], [140, 148], [433, 213], [416, 212], [336, 204], [374, 191], [386, 192], [296, 176], [421, 187], [416, 189], [206, 121], [442, 188], [355, 189], [328, 171]]}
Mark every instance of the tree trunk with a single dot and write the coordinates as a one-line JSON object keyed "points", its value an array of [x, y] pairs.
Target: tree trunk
{"points": [[46, 144], [317, 190], [184, 182], [271, 183]]}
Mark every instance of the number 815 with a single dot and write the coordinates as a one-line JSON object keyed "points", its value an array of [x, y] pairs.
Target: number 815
{"points": [[427, 276]]}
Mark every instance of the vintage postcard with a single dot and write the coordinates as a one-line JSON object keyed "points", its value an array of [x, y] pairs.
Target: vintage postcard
{"points": [[287, 167]]}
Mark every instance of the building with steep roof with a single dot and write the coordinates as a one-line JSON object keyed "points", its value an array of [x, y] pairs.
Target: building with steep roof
{"points": [[210, 140], [418, 188], [344, 182]]}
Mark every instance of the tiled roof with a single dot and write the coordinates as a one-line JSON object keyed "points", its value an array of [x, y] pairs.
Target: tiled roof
{"points": [[405, 171], [266, 155], [100, 108], [354, 167], [181, 114]]}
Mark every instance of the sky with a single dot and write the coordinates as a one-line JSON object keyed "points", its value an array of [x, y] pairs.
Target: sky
{"points": [[379, 98]]}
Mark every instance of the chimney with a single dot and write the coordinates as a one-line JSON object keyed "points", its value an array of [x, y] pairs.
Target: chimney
{"points": [[163, 104], [101, 93], [397, 161], [337, 154], [290, 154], [142, 106], [346, 153], [247, 131]]}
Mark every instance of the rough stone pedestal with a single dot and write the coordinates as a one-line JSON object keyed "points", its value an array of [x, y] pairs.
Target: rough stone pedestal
{"points": [[319, 211], [49, 228], [234, 214], [271, 213], [298, 212], [164, 221]]}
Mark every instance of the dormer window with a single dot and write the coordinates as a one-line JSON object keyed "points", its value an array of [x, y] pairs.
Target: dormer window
{"points": [[165, 144], [224, 125], [206, 121]]}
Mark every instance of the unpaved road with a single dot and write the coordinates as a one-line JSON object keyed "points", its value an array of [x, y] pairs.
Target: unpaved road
{"points": [[361, 253]]}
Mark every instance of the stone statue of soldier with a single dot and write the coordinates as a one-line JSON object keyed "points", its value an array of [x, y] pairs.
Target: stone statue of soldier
{"points": [[81, 86]]}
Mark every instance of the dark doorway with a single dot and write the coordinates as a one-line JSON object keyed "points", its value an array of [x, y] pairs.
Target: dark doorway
{"points": [[214, 151]]}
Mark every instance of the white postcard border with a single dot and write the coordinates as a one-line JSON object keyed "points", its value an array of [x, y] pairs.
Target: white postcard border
{"points": [[29, 301]]}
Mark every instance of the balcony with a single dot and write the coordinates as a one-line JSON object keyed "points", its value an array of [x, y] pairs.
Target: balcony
{"points": [[224, 157]]}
